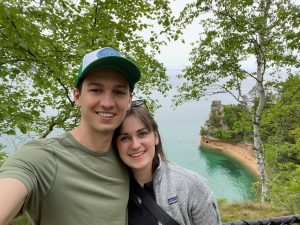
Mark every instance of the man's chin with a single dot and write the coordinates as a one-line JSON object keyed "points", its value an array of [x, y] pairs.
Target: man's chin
{"points": [[106, 130]]}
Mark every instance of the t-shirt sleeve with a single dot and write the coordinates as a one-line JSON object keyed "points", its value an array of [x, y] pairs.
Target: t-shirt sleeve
{"points": [[35, 166]]}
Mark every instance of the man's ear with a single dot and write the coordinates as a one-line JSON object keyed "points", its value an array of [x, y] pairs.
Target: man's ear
{"points": [[129, 102], [76, 96]]}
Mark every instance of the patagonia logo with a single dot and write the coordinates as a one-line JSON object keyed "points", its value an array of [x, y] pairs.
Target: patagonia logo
{"points": [[172, 200]]}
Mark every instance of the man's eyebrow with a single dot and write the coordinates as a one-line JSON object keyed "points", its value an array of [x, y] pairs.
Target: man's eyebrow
{"points": [[122, 86], [99, 84], [93, 84]]}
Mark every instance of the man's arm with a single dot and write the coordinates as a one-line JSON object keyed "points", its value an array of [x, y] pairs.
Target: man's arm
{"points": [[12, 196]]}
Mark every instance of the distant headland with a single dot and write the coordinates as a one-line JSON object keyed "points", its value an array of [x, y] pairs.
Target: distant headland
{"points": [[218, 133]]}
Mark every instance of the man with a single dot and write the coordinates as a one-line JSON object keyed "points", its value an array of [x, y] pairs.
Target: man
{"points": [[76, 178]]}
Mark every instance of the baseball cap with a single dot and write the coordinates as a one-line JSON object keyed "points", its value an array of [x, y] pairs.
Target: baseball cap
{"points": [[109, 58]]}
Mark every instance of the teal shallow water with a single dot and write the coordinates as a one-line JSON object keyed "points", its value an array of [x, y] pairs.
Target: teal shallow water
{"points": [[230, 179], [227, 178], [180, 129]]}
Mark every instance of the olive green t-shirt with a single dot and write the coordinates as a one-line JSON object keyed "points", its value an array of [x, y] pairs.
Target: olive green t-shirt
{"points": [[68, 184]]}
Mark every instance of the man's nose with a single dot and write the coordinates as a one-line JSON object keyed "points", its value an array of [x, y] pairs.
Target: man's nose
{"points": [[107, 100]]}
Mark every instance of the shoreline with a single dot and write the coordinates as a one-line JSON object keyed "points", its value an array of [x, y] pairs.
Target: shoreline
{"points": [[240, 152]]}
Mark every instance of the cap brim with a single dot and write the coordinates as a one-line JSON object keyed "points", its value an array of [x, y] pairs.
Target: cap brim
{"points": [[127, 68]]}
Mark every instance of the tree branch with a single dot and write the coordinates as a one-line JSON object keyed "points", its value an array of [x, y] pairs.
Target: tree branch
{"points": [[15, 27], [66, 91], [50, 129], [290, 98]]}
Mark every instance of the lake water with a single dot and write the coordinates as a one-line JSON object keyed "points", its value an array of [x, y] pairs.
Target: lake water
{"points": [[180, 129]]}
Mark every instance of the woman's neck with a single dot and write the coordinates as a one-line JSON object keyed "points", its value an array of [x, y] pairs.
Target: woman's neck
{"points": [[142, 176]]}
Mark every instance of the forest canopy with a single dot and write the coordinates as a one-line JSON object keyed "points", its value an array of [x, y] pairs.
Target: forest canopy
{"points": [[42, 43]]}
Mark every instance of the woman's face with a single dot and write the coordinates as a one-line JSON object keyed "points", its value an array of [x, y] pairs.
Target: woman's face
{"points": [[136, 145]]}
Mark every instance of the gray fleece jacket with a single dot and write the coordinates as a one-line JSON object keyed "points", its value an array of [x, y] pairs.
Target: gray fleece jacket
{"points": [[185, 195]]}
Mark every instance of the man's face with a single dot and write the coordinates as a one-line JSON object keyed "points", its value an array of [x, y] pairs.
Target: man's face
{"points": [[104, 100]]}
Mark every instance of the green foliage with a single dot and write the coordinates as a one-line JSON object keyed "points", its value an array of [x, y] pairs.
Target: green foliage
{"points": [[281, 122], [42, 43], [262, 33], [249, 210], [238, 120], [222, 134], [2, 156], [256, 191], [233, 124], [285, 187], [281, 127], [235, 32]]}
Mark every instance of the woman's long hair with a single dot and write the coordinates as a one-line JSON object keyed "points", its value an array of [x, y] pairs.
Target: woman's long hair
{"points": [[147, 119]]}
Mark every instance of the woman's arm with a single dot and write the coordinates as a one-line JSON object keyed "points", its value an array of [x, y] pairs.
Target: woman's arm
{"points": [[204, 209]]}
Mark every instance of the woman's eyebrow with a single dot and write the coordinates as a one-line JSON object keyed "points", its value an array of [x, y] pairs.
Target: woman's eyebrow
{"points": [[142, 129], [139, 130]]}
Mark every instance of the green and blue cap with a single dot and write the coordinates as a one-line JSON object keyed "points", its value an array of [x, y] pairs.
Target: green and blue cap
{"points": [[109, 58]]}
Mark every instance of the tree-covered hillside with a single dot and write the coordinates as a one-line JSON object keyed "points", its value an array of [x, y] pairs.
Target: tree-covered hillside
{"points": [[239, 41], [280, 130]]}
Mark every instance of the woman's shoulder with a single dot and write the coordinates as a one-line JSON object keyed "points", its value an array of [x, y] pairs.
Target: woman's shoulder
{"points": [[178, 172]]}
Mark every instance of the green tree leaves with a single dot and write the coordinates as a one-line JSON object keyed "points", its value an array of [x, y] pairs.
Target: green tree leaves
{"points": [[235, 32], [2, 154], [42, 43], [263, 33]]}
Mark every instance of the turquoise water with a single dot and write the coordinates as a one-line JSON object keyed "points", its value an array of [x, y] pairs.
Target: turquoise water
{"points": [[180, 133], [180, 129], [230, 179]]}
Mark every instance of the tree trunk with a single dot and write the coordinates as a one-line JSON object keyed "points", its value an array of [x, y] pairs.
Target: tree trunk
{"points": [[260, 158], [256, 128], [261, 66]]}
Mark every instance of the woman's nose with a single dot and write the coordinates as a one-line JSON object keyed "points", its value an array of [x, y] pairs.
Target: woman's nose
{"points": [[135, 144]]}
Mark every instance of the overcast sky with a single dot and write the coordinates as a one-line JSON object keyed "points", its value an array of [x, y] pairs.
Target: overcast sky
{"points": [[175, 55]]}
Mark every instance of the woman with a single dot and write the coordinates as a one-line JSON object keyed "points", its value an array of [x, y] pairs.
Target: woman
{"points": [[183, 194]]}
